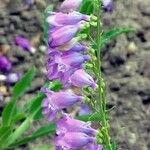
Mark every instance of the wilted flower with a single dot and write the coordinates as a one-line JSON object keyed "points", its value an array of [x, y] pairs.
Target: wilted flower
{"points": [[70, 5], [81, 79], [69, 124], [5, 64]]}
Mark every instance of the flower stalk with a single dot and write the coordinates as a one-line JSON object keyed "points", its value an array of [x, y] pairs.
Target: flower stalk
{"points": [[102, 100]]}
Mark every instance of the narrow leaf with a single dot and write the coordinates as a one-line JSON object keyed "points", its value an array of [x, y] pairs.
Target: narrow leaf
{"points": [[22, 85], [45, 130], [91, 117], [9, 112], [4, 133], [107, 36]]}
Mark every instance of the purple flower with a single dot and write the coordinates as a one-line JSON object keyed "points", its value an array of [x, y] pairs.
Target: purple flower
{"points": [[56, 101], [69, 124], [79, 48], [13, 77], [84, 110], [61, 19], [61, 66], [108, 5], [70, 5], [81, 79], [5, 64], [64, 34], [93, 146], [73, 140], [24, 43]]}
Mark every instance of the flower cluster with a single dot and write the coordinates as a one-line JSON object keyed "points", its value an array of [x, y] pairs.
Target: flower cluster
{"points": [[66, 58]]}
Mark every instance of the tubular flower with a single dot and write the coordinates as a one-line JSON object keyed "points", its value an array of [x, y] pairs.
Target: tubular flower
{"points": [[61, 66], [60, 19], [81, 79], [73, 140], [65, 62], [56, 101], [68, 124], [64, 34], [70, 5]]}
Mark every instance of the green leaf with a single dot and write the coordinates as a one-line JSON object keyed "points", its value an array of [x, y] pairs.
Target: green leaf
{"points": [[36, 106], [87, 7], [45, 130], [17, 133], [109, 35], [18, 117], [4, 133], [114, 147], [10, 110], [22, 85], [91, 117]]}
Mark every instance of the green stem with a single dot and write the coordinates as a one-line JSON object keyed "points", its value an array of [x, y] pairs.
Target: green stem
{"points": [[101, 87]]}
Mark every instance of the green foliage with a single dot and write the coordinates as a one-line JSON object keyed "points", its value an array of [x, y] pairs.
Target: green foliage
{"points": [[92, 117], [113, 33], [43, 131], [4, 133], [87, 7], [19, 89], [22, 85]]}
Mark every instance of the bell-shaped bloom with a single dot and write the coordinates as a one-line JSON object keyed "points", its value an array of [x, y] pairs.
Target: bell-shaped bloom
{"points": [[70, 5], [60, 19], [61, 66], [64, 34], [108, 5], [56, 101], [73, 140], [81, 79], [5, 64], [69, 124]]}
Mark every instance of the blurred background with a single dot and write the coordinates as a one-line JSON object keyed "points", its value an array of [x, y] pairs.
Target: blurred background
{"points": [[126, 64]]}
